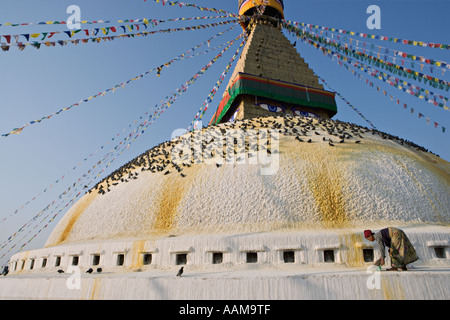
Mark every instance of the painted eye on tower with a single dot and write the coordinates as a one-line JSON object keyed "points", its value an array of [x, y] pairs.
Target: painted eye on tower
{"points": [[270, 108], [305, 114]]}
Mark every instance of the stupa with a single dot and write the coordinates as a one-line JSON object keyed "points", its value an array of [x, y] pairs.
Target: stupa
{"points": [[268, 202]]}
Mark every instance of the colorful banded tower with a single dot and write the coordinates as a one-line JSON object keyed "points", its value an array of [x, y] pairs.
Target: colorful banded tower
{"points": [[271, 77]]}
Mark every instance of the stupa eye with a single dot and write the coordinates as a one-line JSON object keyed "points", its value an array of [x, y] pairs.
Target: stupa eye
{"points": [[301, 113], [271, 108], [305, 114]]}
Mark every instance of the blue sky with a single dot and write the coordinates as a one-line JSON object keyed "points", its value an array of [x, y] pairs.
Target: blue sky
{"points": [[36, 83]]}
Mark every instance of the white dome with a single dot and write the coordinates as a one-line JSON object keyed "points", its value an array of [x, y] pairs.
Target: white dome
{"points": [[315, 185]]}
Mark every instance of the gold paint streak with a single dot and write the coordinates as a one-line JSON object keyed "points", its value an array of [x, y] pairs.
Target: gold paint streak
{"points": [[355, 256], [79, 208], [392, 292], [171, 197], [172, 193], [324, 177], [328, 195], [325, 182], [95, 289], [136, 251]]}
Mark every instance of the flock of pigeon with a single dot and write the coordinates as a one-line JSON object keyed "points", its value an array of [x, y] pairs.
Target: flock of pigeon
{"points": [[192, 148], [5, 271], [90, 270]]}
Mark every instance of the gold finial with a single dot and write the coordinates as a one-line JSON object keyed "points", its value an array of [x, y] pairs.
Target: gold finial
{"points": [[274, 8]]}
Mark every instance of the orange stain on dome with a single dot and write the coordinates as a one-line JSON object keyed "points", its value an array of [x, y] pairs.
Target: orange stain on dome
{"points": [[80, 207], [172, 193], [326, 181]]}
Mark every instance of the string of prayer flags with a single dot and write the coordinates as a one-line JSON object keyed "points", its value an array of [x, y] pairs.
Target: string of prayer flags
{"points": [[415, 90], [347, 102], [400, 70], [330, 54], [140, 20], [21, 46], [121, 85], [47, 23], [386, 51], [420, 93], [95, 31], [260, 8], [291, 24], [183, 4], [214, 90]]}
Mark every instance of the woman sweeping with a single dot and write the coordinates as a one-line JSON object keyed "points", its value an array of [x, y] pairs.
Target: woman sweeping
{"points": [[401, 251]]}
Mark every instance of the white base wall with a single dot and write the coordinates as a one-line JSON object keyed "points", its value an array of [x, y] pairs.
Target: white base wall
{"points": [[432, 284], [270, 278], [308, 245]]}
